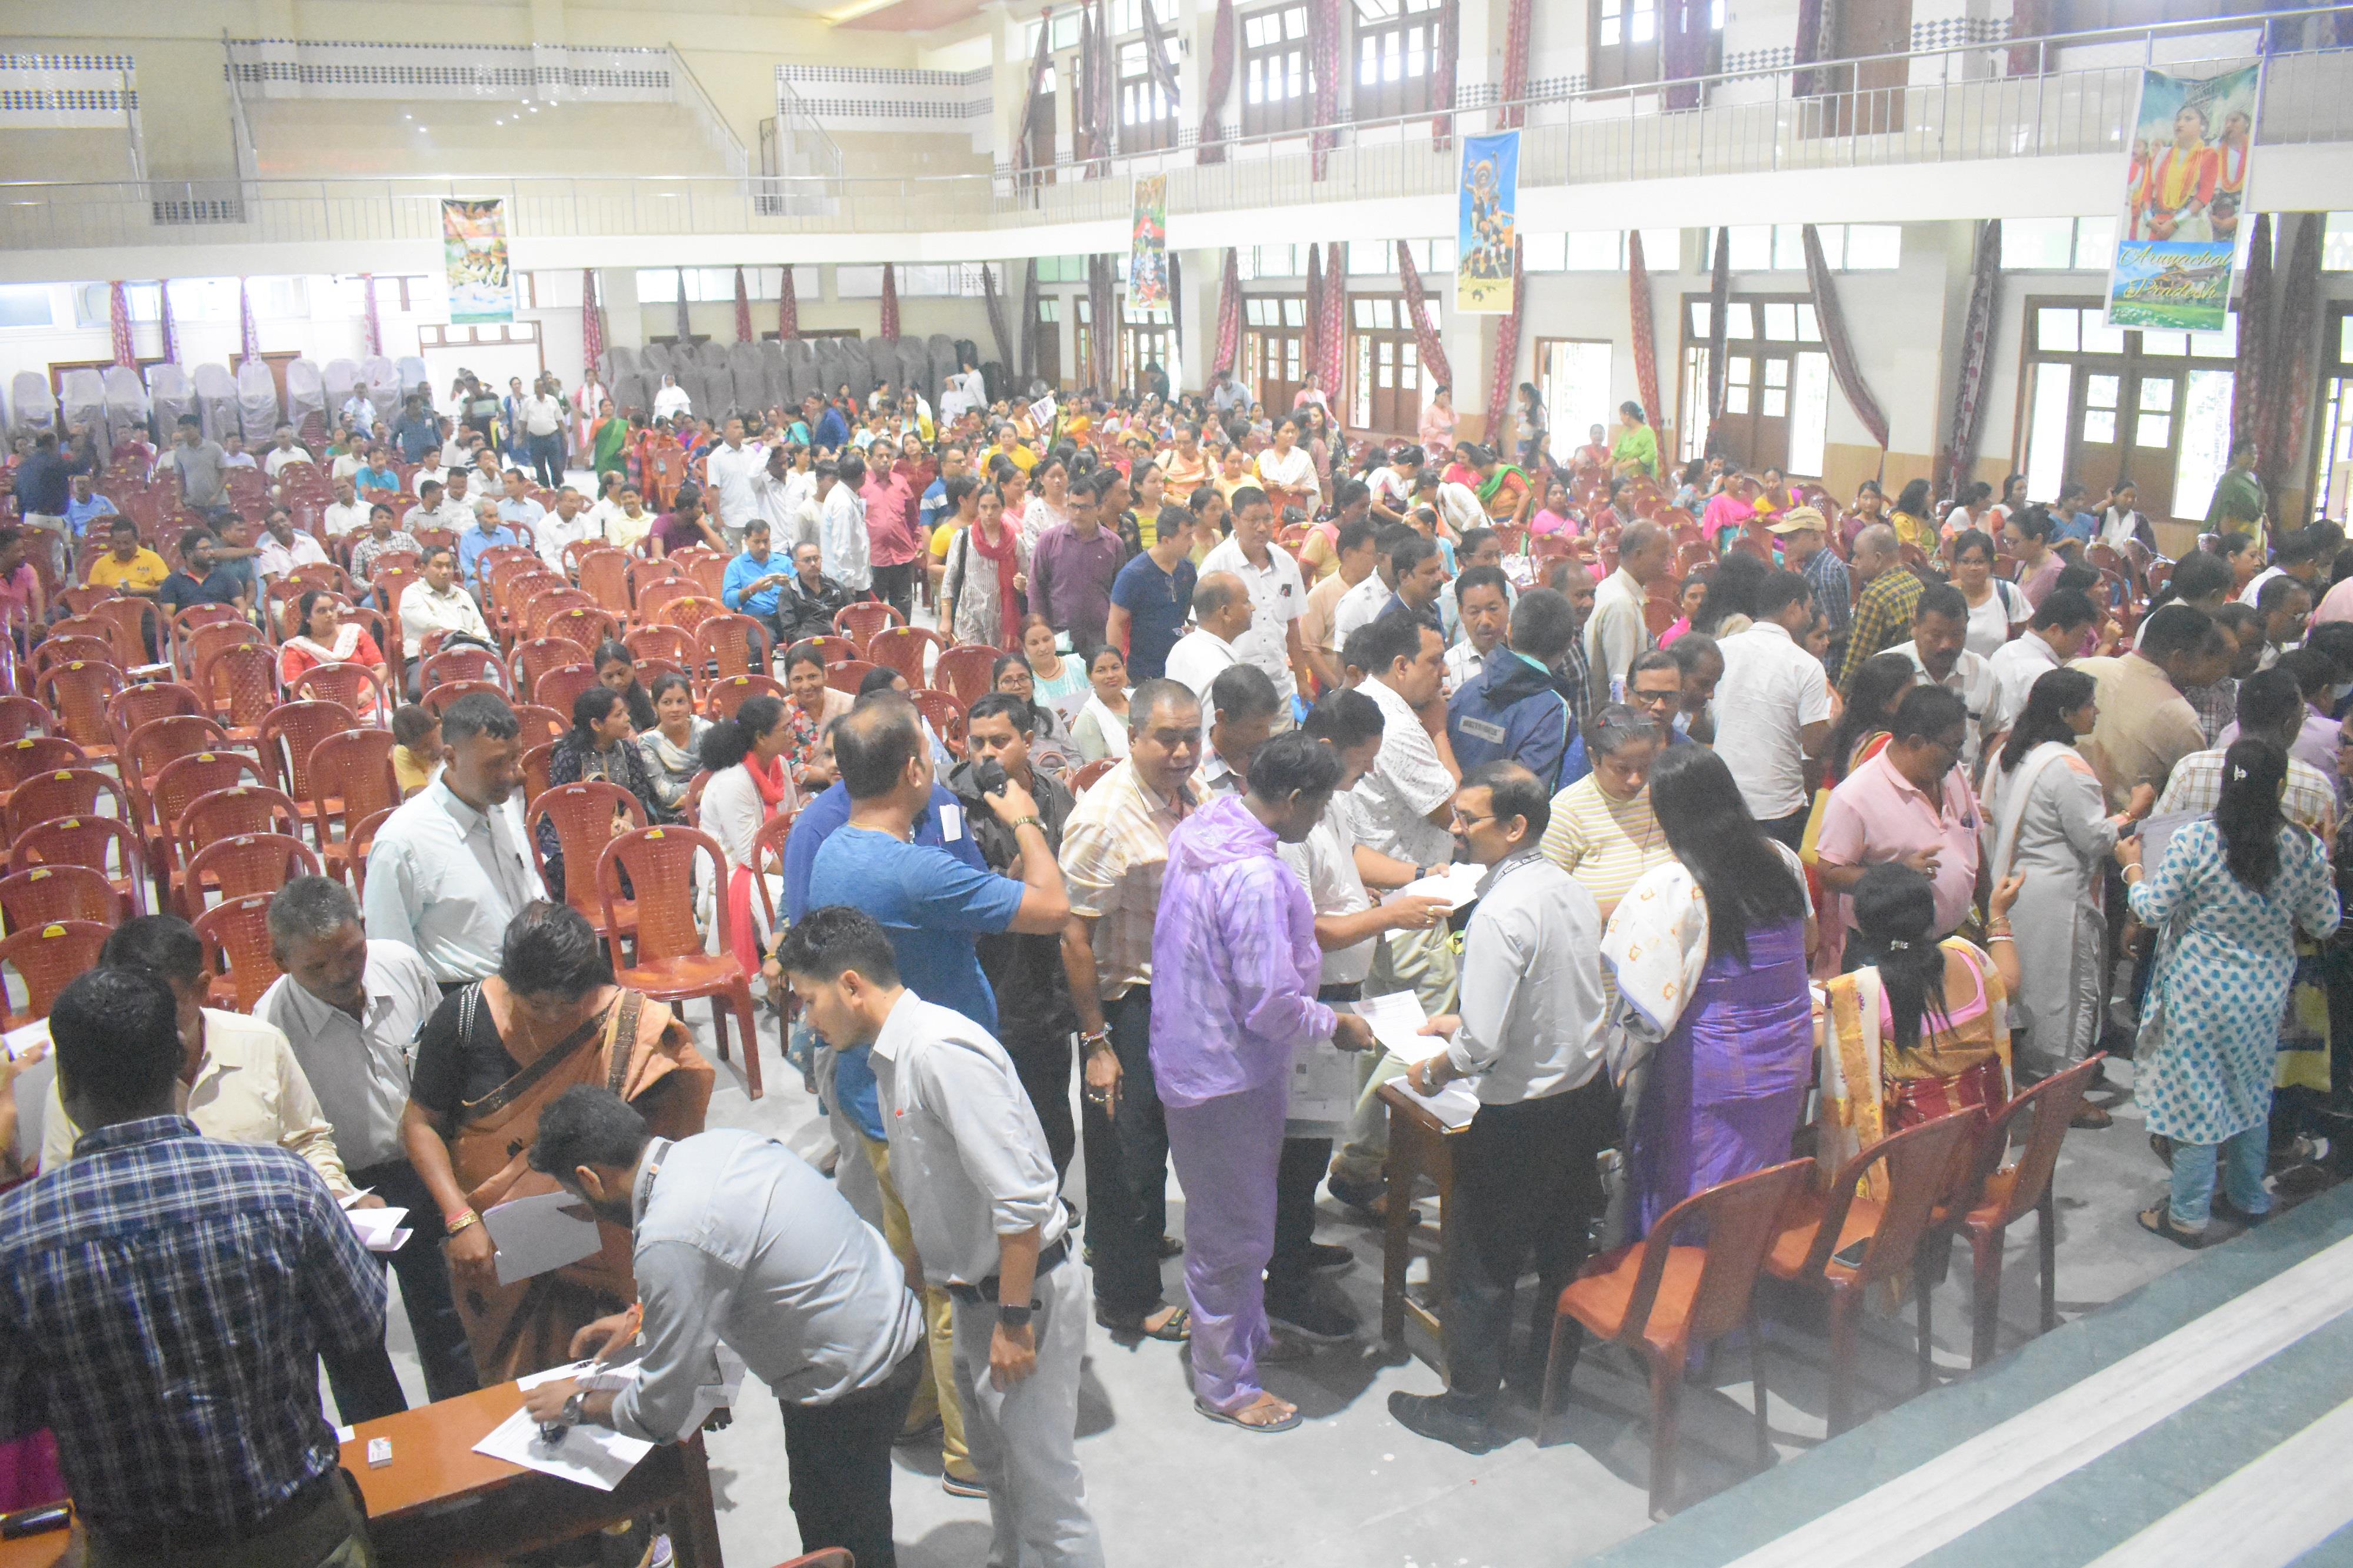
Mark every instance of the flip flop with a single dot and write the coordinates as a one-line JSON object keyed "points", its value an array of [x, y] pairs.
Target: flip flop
{"points": [[1175, 1331], [1234, 1418], [2159, 1221]]}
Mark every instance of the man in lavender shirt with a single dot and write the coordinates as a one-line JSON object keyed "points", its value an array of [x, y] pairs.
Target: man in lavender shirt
{"points": [[1235, 970], [1074, 563]]}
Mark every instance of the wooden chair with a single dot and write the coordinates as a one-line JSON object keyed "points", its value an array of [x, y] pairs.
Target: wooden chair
{"points": [[46, 894], [289, 734], [244, 863], [1820, 1227], [726, 698], [240, 960], [90, 841], [68, 792], [20, 760], [672, 964], [849, 674], [44, 957], [351, 780], [78, 692], [559, 689], [582, 814], [902, 649], [1997, 1196], [966, 670], [1662, 1301], [860, 621]]}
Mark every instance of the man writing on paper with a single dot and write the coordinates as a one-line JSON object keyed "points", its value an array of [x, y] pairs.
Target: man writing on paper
{"points": [[1530, 1033], [737, 1239]]}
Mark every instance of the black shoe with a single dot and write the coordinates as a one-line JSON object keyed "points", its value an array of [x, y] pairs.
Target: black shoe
{"points": [[1170, 1246], [2223, 1208], [914, 1436], [1323, 1258], [1313, 1320], [1431, 1415]]}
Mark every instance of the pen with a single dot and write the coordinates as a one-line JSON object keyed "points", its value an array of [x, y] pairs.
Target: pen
{"points": [[552, 1432]]}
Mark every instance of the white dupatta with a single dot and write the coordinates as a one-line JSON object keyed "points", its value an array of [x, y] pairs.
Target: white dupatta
{"points": [[2012, 792], [1655, 950]]}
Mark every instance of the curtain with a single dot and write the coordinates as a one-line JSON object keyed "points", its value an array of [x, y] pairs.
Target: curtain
{"points": [[1645, 329], [1156, 62], [1516, 66], [1507, 360], [1442, 89], [248, 335], [1103, 358], [1719, 292], [2256, 301], [890, 304], [1683, 49], [1176, 302], [1813, 18], [685, 322], [1832, 322], [1212, 135], [788, 310], [592, 327], [1311, 346], [2029, 19], [1435, 370], [1229, 314], [371, 323], [2295, 341], [744, 333], [1977, 332], [1038, 64], [118, 321], [996, 316], [1332, 340], [1027, 341], [172, 328], [1324, 69]]}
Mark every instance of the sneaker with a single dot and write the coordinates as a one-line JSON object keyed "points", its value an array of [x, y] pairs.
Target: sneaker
{"points": [[1433, 1415], [962, 1486], [1314, 1321]]}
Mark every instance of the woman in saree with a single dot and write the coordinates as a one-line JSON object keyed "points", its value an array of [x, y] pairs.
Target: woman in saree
{"points": [[672, 750], [811, 703], [1636, 451], [494, 1056], [1286, 470], [987, 569], [1708, 955], [607, 439], [326, 639], [1504, 488], [1594, 456], [1186, 467]]}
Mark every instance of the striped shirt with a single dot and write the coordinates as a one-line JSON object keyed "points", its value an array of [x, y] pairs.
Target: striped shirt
{"points": [[1603, 842], [2196, 784], [1114, 851]]}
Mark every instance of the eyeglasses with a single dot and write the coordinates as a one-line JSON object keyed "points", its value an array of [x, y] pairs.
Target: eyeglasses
{"points": [[1465, 820]]}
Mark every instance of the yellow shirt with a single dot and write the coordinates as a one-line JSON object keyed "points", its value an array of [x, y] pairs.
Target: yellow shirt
{"points": [[1023, 457], [942, 538], [145, 570], [409, 771], [1910, 530]]}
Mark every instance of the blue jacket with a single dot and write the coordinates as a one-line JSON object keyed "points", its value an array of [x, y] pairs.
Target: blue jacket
{"points": [[1515, 710], [833, 429]]}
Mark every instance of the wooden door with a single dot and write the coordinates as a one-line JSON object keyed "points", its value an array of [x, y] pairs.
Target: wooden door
{"points": [[1754, 428], [1049, 366], [1275, 365], [2148, 429], [1868, 98], [2096, 447], [1041, 138]]}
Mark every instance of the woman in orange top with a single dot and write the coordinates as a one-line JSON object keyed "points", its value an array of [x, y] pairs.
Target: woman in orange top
{"points": [[326, 639], [1186, 467]]}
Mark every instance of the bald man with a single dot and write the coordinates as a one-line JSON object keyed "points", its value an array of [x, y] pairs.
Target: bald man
{"points": [[1615, 633], [1883, 606]]}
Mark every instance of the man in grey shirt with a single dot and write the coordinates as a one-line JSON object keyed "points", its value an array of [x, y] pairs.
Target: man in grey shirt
{"points": [[1529, 1035], [203, 469], [988, 1221], [737, 1240]]}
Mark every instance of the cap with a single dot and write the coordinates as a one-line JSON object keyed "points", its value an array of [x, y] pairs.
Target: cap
{"points": [[1797, 519]]}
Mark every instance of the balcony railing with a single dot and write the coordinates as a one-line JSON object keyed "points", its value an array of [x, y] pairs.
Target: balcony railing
{"points": [[1953, 105]]}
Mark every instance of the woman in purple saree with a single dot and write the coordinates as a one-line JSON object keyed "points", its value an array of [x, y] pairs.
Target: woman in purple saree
{"points": [[1715, 1011]]}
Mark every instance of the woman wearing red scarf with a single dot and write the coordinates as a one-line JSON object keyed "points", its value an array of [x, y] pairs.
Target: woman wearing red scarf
{"points": [[980, 595], [750, 783]]}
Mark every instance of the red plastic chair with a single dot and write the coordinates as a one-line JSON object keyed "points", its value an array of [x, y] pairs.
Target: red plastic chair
{"points": [[537, 762], [183, 782], [353, 686], [437, 699], [68, 792], [672, 964], [351, 780], [46, 894], [137, 627], [669, 642], [136, 705], [644, 573], [587, 625], [241, 679], [831, 649], [849, 674], [1087, 777], [535, 656], [724, 645], [21, 717], [90, 841], [78, 692], [559, 689], [944, 712], [902, 649], [201, 641], [604, 575], [689, 611], [159, 742], [706, 567], [63, 647], [20, 760], [289, 733], [726, 698], [860, 621], [540, 723], [358, 847], [462, 663], [582, 814], [966, 670], [45, 957], [239, 957]]}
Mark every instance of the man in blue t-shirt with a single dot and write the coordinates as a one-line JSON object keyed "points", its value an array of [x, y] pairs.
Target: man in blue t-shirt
{"points": [[1151, 596]]}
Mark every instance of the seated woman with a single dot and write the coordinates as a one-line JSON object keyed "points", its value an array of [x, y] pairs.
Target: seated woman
{"points": [[596, 749], [494, 1056], [671, 750], [1555, 516], [616, 669], [326, 639]]}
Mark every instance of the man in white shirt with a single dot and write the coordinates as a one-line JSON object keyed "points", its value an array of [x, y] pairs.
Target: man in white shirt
{"points": [[430, 512], [517, 506], [1278, 595], [1222, 612], [284, 452], [738, 471], [430, 471], [437, 604], [448, 871], [1361, 605], [352, 1010], [2053, 637], [284, 547], [542, 415], [1938, 650], [1616, 631], [842, 538], [233, 452], [458, 502], [358, 412], [1773, 707], [567, 524], [348, 514]]}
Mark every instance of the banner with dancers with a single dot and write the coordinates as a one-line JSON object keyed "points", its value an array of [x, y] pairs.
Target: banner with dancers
{"points": [[2185, 189], [1487, 232], [474, 257], [1147, 253]]}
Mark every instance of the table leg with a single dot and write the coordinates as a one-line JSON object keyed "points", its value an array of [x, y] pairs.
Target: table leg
{"points": [[1398, 1169], [694, 1522]]}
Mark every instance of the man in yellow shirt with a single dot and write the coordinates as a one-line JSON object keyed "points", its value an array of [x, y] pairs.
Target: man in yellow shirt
{"points": [[130, 567]]}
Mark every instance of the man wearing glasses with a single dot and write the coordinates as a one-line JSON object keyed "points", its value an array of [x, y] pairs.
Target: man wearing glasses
{"points": [[1911, 804]]}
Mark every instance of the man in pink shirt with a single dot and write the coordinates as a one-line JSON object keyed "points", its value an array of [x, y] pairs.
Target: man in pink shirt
{"points": [[1911, 804], [896, 542], [21, 607]]}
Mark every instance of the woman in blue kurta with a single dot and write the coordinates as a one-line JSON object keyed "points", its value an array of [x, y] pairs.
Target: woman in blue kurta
{"points": [[2226, 899]]}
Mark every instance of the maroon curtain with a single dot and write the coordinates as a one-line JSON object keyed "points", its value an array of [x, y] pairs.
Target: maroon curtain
{"points": [[1960, 455], [592, 325], [1212, 135], [1435, 370], [1811, 16], [1323, 69], [1682, 48], [1832, 322], [1103, 357], [1507, 359], [1645, 329], [372, 323], [1039, 64], [1442, 89], [1229, 314], [1515, 65], [2029, 19], [172, 328], [1719, 294], [118, 318], [1105, 98], [1176, 299], [1311, 347], [890, 304], [2256, 303], [788, 310], [2296, 342], [744, 332], [1028, 338], [1155, 59], [1333, 341], [996, 328]]}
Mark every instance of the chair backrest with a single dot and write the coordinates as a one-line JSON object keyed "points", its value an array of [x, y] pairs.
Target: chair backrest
{"points": [[644, 573], [1088, 777], [965, 669], [354, 771], [673, 643], [849, 674], [945, 713], [1740, 1218], [200, 640], [768, 860], [902, 649], [185, 779], [20, 717], [357, 846], [560, 687], [465, 662], [45, 957], [539, 721], [68, 792], [439, 698], [78, 692], [232, 810], [242, 680], [236, 934], [582, 814], [250, 863], [726, 698], [289, 733], [354, 686], [728, 643], [534, 657], [605, 577], [2053, 1104], [134, 620], [689, 611], [49, 893], [860, 621], [82, 841], [659, 863], [1920, 1165], [136, 705], [537, 762], [708, 569], [586, 625], [20, 760], [162, 741]]}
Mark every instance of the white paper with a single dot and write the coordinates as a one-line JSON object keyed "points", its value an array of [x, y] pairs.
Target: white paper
{"points": [[1396, 1020], [1322, 1083], [539, 1233], [724, 1380], [1457, 884], [28, 1047], [595, 1456], [380, 1229], [1454, 1104]]}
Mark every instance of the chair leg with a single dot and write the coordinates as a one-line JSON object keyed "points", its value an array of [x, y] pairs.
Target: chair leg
{"points": [[741, 996], [1924, 1294], [1756, 1384], [1841, 1413], [1666, 1396], [1985, 1296], [2047, 1224], [1563, 1325]]}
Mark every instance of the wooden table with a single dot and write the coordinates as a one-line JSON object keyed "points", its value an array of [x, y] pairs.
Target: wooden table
{"points": [[439, 1502], [1418, 1147]]}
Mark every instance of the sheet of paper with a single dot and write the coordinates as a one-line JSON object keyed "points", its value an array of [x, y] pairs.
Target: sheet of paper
{"points": [[2157, 832], [28, 1047], [1454, 1104], [1322, 1083], [1457, 884], [725, 1379], [539, 1233], [593, 1455], [380, 1229], [1396, 1020]]}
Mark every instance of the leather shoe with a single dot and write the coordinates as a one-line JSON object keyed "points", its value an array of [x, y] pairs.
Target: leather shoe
{"points": [[1433, 1415]]}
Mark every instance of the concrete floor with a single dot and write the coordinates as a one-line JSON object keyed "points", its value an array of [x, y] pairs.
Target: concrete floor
{"points": [[1352, 1487]]}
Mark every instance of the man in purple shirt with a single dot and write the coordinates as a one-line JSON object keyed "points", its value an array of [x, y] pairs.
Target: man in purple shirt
{"points": [[1235, 970], [1074, 563]]}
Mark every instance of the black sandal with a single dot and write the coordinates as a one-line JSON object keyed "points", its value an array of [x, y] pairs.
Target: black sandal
{"points": [[1177, 1329], [2159, 1221]]}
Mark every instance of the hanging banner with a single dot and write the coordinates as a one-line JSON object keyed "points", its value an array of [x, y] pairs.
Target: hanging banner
{"points": [[1147, 251], [474, 257], [2185, 181], [1486, 236]]}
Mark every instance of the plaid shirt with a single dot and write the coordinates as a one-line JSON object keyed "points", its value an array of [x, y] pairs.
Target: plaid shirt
{"points": [[2216, 705], [163, 1302], [1115, 852], [1883, 618], [1833, 591], [1577, 673]]}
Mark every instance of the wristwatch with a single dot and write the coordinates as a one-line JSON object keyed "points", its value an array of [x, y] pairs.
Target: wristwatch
{"points": [[1013, 1316], [574, 1406]]}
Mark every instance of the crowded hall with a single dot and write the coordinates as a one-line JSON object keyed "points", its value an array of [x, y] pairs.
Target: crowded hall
{"points": [[1588, 755]]}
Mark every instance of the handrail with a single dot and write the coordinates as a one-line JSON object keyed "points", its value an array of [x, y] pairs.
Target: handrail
{"points": [[715, 129]]}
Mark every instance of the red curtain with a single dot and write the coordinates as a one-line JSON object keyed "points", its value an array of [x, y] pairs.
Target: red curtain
{"points": [[1442, 89], [172, 328], [1229, 314], [1028, 338], [1311, 346], [1324, 68], [2256, 302], [1516, 66], [1719, 293], [996, 328], [117, 319], [1832, 322], [788, 310], [890, 304], [1436, 372], [1977, 332], [1038, 64], [744, 333], [592, 325], [1507, 360], [1332, 338], [2296, 342], [1212, 135], [1645, 329], [1810, 17], [372, 324]]}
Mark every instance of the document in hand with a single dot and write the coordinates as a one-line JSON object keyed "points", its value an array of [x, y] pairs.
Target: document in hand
{"points": [[1457, 884], [539, 1233], [1396, 1020], [380, 1229]]}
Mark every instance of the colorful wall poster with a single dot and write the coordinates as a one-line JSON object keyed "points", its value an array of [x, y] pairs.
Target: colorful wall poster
{"points": [[1487, 232], [1148, 255], [2185, 187], [474, 257]]}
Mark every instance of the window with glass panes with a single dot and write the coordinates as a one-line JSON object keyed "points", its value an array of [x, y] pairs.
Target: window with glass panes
{"points": [[1274, 347], [1623, 45], [2107, 406], [1776, 383], [1147, 121], [1396, 53], [1276, 78], [2334, 482], [1384, 392]]}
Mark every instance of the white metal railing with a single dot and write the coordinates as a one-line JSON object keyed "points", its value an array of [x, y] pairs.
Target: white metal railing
{"points": [[1952, 106]]}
